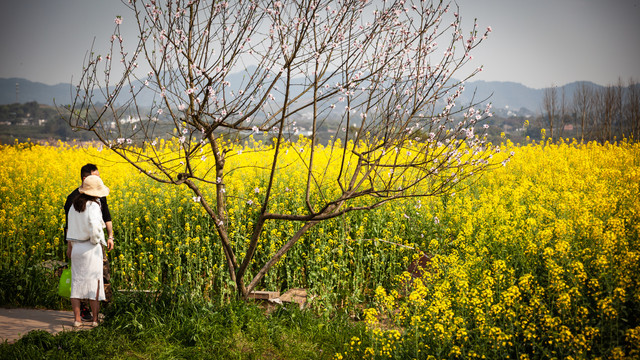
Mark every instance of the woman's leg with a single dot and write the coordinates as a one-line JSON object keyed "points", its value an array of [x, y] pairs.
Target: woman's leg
{"points": [[95, 304], [75, 305], [95, 309]]}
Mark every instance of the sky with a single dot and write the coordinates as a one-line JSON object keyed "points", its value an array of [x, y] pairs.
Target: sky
{"points": [[538, 43]]}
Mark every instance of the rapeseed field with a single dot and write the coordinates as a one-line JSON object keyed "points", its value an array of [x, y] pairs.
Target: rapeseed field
{"points": [[536, 259]]}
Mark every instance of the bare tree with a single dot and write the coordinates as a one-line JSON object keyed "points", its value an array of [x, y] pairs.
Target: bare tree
{"points": [[550, 104], [618, 115], [632, 110], [220, 71], [582, 105], [606, 112], [563, 112]]}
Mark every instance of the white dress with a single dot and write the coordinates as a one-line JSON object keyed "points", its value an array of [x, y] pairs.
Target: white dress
{"points": [[85, 230]]}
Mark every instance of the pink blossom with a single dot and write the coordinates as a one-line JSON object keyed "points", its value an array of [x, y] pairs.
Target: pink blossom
{"points": [[118, 20], [469, 132]]}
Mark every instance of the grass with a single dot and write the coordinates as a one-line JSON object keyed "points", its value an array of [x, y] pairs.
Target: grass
{"points": [[31, 286], [178, 326]]}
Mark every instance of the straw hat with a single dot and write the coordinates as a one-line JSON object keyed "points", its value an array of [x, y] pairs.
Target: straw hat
{"points": [[93, 186]]}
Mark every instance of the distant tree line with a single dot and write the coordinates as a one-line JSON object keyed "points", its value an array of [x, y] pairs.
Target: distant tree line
{"points": [[593, 113], [590, 113], [34, 121], [17, 112]]}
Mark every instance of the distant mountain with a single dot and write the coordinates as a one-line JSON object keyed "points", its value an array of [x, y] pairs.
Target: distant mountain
{"points": [[507, 98], [27, 91]]}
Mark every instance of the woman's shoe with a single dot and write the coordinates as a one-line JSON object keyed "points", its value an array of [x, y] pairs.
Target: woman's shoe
{"points": [[77, 324], [94, 324]]}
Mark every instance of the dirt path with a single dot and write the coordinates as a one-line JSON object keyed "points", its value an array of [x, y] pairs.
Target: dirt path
{"points": [[14, 323]]}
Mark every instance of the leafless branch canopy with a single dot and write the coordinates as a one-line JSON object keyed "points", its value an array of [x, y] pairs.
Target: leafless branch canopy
{"points": [[378, 75]]}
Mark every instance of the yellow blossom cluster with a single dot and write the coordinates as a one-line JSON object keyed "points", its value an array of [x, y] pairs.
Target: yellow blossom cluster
{"points": [[536, 259], [165, 238], [539, 259]]}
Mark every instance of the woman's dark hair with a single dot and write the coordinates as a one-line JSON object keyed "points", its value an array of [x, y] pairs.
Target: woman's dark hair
{"points": [[86, 170], [80, 202]]}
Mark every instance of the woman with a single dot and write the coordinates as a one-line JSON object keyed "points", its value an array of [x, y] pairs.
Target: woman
{"points": [[85, 237]]}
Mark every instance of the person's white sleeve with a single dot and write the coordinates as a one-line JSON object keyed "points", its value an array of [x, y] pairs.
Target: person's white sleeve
{"points": [[96, 224]]}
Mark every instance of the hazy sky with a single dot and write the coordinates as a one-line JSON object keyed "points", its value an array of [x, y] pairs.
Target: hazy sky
{"points": [[535, 42]]}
